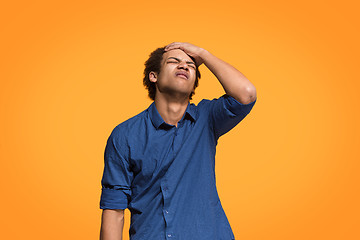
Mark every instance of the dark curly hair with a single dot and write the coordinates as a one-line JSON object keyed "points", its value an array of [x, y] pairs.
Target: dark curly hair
{"points": [[154, 64]]}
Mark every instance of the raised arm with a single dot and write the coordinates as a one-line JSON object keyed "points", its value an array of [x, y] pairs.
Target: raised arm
{"points": [[112, 224], [233, 81]]}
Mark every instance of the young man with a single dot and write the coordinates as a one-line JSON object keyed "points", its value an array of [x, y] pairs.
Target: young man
{"points": [[161, 163]]}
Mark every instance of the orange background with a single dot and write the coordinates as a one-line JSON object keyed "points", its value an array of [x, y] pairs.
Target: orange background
{"points": [[72, 70]]}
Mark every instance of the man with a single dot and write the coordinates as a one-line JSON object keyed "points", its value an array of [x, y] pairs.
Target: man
{"points": [[160, 164]]}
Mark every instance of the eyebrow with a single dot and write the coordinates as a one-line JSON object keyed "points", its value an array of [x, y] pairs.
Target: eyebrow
{"points": [[188, 62]]}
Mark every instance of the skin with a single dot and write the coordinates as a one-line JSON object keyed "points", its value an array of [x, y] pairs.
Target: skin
{"points": [[112, 224], [172, 93], [172, 98]]}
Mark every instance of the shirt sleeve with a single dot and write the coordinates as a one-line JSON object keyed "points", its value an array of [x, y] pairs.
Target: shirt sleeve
{"points": [[117, 176], [226, 112]]}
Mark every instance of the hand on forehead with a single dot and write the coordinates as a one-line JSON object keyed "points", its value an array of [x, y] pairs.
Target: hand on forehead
{"points": [[189, 49]]}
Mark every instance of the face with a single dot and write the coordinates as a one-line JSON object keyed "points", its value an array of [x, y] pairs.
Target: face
{"points": [[177, 74]]}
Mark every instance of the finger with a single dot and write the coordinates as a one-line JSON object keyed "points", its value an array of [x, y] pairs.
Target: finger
{"points": [[173, 45], [169, 45]]}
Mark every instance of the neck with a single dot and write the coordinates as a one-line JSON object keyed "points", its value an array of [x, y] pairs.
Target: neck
{"points": [[171, 109]]}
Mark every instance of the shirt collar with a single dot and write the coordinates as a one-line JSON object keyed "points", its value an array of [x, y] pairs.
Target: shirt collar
{"points": [[157, 120]]}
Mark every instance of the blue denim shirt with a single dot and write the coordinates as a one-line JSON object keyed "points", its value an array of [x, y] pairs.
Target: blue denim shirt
{"points": [[165, 175]]}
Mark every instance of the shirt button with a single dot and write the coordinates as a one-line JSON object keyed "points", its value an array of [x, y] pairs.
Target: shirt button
{"points": [[166, 211], [169, 235]]}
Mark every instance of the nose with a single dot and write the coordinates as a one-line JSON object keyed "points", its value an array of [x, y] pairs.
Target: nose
{"points": [[183, 65]]}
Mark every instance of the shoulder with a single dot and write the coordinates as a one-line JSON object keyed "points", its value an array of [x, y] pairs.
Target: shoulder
{"points": [[207, 104], [123, 130], [225, 107], [203, 108], [226, 101]]}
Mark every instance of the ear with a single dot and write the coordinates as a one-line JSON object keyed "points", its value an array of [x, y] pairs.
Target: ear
{"points": [[153, 77]]}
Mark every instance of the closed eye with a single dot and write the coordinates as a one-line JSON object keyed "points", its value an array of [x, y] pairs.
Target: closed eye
{"points": [[189, 64]]}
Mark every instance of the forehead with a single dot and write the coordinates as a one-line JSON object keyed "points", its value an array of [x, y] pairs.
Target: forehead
{"points": [[176, 53]]}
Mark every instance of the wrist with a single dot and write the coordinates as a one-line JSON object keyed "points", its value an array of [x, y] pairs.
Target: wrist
{"points": [[203, 53]]}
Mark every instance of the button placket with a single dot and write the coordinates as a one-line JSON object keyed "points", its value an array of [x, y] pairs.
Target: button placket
{"points": [[165, 193]]}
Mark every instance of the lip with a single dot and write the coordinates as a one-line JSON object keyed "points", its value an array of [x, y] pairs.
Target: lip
{"points": [[182, 74]]}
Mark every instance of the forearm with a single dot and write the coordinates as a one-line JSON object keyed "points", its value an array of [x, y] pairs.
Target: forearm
{"points": [[233, 81], [112, 224]]}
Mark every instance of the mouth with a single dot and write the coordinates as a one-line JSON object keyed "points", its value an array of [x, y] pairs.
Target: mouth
{"points": [[182, 74]]}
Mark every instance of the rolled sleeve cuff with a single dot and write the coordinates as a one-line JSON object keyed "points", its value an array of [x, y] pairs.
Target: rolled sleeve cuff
{"points": [[113, 199], [237, 108]]}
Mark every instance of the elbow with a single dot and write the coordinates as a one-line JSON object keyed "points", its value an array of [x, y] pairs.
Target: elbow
{"points": [[248, 95], [252, 94]]}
